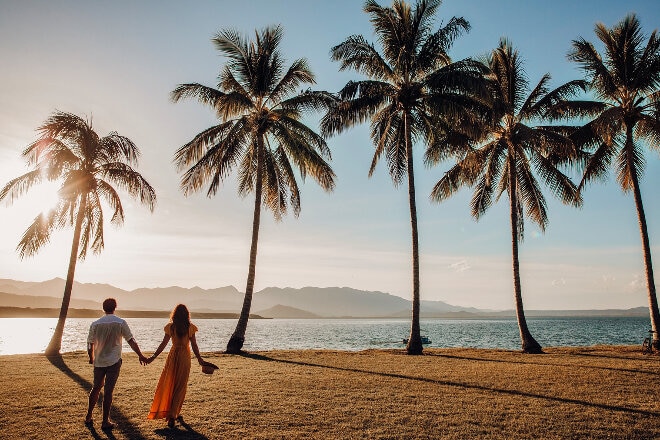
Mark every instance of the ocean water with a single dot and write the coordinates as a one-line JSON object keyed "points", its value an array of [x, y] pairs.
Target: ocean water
{"points": [[31, 335]]}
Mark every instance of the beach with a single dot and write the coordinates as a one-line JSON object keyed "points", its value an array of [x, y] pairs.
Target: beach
{"points": [[586, 392]]}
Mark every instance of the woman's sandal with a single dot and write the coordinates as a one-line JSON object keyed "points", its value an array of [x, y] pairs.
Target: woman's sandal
{"points": [[170, 423], [108, 426]]}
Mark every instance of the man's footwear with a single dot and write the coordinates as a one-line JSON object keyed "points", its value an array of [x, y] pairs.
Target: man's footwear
{"points": [[107, 426]]}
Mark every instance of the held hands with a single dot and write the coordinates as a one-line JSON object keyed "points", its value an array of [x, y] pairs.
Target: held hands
{"points": [[144, 361]]}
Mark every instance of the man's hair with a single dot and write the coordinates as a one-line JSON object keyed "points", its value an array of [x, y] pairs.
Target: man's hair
{"points": [[109, 305]]}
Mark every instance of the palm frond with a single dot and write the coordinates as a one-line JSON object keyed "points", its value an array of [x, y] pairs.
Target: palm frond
{"points": [[630, 164], [108, 193], [115, 147], [358, 54], [599, 163], [218, 159], [585, 54], [647, 128], [297, 74], [20, 185], [35, 236], [194, 150], [530, 194], [358, 102]]}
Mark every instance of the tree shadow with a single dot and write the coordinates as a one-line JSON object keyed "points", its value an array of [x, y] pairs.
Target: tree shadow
{"points": [[653, 356], [466, 386], [550, 364], [128, 428]]}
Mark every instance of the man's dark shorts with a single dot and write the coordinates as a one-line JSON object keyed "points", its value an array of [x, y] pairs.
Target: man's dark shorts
{"points": [[110, 374]]}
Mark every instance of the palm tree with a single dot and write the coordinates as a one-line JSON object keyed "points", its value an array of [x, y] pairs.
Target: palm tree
{"points": [[626, 84], [69, 150], [508, 153], [413, 93], [260, 132]]}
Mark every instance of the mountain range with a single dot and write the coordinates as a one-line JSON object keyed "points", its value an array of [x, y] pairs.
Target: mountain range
{"points": [[271, 302]]}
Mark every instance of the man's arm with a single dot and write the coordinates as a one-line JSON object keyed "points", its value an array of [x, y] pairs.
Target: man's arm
{"points": [[134, 346], [90, 352]]}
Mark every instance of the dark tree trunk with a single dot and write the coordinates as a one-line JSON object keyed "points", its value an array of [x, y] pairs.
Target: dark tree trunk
{"points": [[646, 247], [415, 340], [237, 339], [529, 344], [55, 343]]}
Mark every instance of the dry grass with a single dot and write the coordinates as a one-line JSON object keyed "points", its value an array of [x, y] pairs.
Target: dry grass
{"points": [[596, 392]]}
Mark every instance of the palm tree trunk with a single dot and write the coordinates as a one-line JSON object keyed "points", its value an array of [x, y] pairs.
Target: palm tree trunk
{"points": [[237, 339], [646, 247], [529, 344], [415, 340], [55, 343]]}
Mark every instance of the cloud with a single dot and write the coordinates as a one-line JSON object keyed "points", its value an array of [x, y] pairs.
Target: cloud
{"points": [[559, 282], [607, 279], [460, 266], [637, 284]]}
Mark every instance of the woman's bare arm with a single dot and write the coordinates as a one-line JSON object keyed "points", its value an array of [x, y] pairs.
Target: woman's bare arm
{"points": [[195, 349], [160, 348]]}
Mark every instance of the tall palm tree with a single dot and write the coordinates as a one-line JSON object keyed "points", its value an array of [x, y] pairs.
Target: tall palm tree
{"points": [[414, 92], [89, 168], [260, 132], [626, 83], [509, 152]]}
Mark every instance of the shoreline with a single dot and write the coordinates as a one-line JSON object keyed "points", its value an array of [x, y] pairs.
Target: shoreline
{"points": [[587, 392], [610, 347]]}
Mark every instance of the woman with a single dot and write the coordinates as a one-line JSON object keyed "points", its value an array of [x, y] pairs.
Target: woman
{"points": [[171, 389]]}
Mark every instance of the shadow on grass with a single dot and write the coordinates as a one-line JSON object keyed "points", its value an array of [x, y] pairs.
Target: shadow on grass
{"points": [[551, 364], [127, 428], [652, 357], [175, 433], [467, 386]]}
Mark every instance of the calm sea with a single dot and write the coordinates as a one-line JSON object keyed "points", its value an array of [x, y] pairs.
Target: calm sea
{"points": [[31, 335]]}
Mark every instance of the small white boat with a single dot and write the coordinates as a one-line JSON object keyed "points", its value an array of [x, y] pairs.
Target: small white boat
{"points": [[425, 340]]}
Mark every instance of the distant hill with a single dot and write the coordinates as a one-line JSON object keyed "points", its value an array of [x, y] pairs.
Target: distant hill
{"points": [[222, 299], [42, 312], [14, 300], [286, 312], [275, 302]]}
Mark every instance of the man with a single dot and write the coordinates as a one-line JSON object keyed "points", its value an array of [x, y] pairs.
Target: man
{"points": [[104, 350]]}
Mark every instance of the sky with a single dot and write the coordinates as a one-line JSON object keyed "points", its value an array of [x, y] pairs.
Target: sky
{"points": [[115, 63]]}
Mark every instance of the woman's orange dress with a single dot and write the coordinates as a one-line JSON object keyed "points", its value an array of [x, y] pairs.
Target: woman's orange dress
{"points": [[173, 383]]}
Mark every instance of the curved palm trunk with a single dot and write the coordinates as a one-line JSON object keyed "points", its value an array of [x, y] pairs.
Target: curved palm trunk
{"points": [[415, 340], [237, 339], [646, 247], [55, 343], [529, 344]]}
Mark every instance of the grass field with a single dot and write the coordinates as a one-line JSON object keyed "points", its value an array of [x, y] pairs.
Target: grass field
{"points": [[592, 392]]}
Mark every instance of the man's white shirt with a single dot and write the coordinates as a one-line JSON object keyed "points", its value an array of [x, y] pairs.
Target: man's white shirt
{"points": [[106, 333]]}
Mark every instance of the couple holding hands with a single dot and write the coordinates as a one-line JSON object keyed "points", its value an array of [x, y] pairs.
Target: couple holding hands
{"points": [[104, 345]]}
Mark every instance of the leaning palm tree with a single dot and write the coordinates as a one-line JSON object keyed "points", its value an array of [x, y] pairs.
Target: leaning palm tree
{"points": [[89, 168], [626, 85], [509, 151], [414, 92], [260, 132]]}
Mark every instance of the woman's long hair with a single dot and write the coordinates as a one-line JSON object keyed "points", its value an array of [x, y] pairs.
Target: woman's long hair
{"points": [[180, 318]]}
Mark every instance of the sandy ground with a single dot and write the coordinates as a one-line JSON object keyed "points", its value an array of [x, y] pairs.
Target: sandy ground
{"points": [[595, 392]]}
